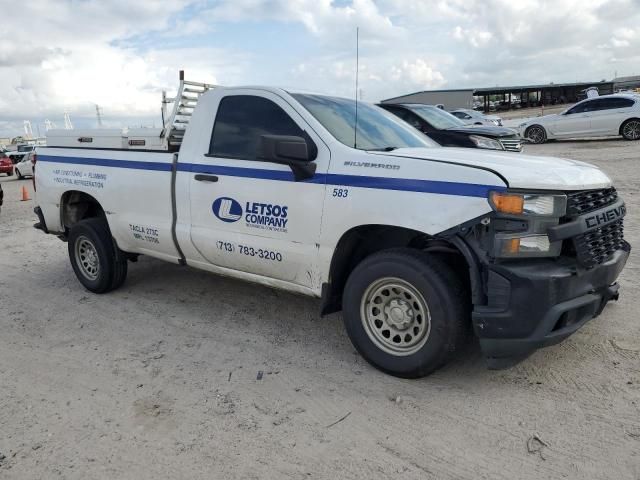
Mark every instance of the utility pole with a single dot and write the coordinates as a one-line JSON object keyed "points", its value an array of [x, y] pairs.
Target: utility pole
{"points": [[67, 121]]}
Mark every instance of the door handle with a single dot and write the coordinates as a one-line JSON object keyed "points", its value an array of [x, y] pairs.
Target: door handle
{"points": [[205, 178]]}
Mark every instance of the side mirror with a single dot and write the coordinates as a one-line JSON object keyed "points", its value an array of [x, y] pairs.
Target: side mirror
{"points": [[297, 152]]}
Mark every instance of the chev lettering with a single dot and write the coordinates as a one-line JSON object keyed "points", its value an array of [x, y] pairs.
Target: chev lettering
{"points": [[606, 217]]}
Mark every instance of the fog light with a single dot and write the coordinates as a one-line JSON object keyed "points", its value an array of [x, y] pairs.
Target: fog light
{"points": [[527, 246]]}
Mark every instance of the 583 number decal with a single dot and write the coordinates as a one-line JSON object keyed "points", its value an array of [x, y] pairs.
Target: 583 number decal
{"points": [[340, 192]]}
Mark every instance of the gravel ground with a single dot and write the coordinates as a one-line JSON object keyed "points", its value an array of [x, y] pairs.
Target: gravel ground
{"points": [[159, 379]]}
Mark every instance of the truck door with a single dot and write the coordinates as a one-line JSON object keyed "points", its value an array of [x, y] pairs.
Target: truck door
{"points": [[251, 215]]}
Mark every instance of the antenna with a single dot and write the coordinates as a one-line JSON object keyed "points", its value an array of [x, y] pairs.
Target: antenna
{"points": [[99, 115], [355, 130]]}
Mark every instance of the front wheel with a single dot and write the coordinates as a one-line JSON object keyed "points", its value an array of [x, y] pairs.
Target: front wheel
{"points": [[95, 258], [536, 134], [631, 129], [20, 177], [405, 311]]}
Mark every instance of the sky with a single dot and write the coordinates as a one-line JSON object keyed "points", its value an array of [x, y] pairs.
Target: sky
{"points": [[61, 56]]}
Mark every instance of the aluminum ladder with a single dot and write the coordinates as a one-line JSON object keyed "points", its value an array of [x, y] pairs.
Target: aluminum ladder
{"points": [[184, 102]]}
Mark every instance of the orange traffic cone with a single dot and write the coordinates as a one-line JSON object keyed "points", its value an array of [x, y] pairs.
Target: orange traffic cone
{"points": [[25, 194]]}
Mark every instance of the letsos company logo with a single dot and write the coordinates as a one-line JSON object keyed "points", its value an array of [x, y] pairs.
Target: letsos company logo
{"points": [[227, 209], [265, 216]]}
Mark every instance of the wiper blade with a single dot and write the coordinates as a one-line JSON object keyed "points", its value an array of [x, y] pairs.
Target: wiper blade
{"points": [[382, 149]]}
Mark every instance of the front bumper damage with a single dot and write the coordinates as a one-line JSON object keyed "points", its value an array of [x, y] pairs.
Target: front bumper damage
{"points": [[533, 304]]}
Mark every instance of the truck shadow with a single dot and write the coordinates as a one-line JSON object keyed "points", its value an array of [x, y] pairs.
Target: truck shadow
{"points": [[277, 316]]}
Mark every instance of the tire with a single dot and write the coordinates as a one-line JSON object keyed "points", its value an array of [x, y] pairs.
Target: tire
{"points": [[95, 258], [10, 174], [414, 281], [20, 177], [536, 134], [631, 129]]}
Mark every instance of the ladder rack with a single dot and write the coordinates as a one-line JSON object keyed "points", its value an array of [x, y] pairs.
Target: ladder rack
{"points": [[184, 102]]}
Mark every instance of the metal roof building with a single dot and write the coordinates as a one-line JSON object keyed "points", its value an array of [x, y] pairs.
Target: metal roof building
{"points": [[626, 83], [524, 95]]}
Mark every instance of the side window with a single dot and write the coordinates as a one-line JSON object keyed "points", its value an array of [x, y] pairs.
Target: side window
{"points": [[460, 115], [620, 103], [404, 115], [600, 104], [580, 108], [241, 121], [412, 119]]}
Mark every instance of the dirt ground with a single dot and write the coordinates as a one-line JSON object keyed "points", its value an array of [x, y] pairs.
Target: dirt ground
{"points": [[159, 379]]}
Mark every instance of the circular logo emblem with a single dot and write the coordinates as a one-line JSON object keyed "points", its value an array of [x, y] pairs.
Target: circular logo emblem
{"points": [[227, 209]]}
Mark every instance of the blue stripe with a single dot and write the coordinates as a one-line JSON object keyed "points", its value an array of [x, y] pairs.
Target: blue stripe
{"points": [[106, 162], [361, 181]]}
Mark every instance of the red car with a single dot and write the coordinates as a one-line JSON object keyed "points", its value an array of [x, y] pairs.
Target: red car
{"points": [[6, 166]]}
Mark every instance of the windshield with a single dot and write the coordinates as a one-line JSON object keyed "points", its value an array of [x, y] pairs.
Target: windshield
{"points": [[377, 129], [438, 118]]}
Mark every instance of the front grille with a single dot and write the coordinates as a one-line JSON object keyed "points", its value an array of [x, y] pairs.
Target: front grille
{"points": [[511, 144], [589, 200], [596, 246]]}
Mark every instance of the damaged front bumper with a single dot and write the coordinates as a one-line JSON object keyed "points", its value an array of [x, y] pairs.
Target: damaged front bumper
{"points": [[537, 303]]}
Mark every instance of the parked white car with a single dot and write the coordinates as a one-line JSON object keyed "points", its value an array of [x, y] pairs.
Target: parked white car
{"points": [[16, 156], [25, 167], [608, 115], [472, 117]]}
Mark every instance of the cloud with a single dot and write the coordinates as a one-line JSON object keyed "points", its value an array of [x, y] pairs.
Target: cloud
{"points": [[122, 54], [476, 38], [418, 74], [322, 18]]}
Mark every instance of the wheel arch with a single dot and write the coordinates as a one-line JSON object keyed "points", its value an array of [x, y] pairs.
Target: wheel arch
{"points": [[362, 241], [625, 122], [76, 206]]}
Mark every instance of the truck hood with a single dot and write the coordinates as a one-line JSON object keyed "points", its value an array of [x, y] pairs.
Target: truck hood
{"points": [[519, 170]]}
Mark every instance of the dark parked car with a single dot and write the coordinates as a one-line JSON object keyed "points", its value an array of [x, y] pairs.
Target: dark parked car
{"points": [[450, 131]]}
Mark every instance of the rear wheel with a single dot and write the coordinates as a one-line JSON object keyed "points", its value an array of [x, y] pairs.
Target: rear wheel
{"points": [[631, 129], [536, 134], [405, 311], [95, 258]]}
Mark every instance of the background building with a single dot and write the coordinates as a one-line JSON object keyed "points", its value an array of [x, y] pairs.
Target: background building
{"points": [[626, 83], [505, 98]]}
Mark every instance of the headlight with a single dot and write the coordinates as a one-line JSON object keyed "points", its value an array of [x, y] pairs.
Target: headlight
{"points": [[529, 204], [486, 142], [522, 221]]}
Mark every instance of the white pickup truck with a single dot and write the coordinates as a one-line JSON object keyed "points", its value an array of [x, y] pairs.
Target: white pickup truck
{"points": [[416, 244]]}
